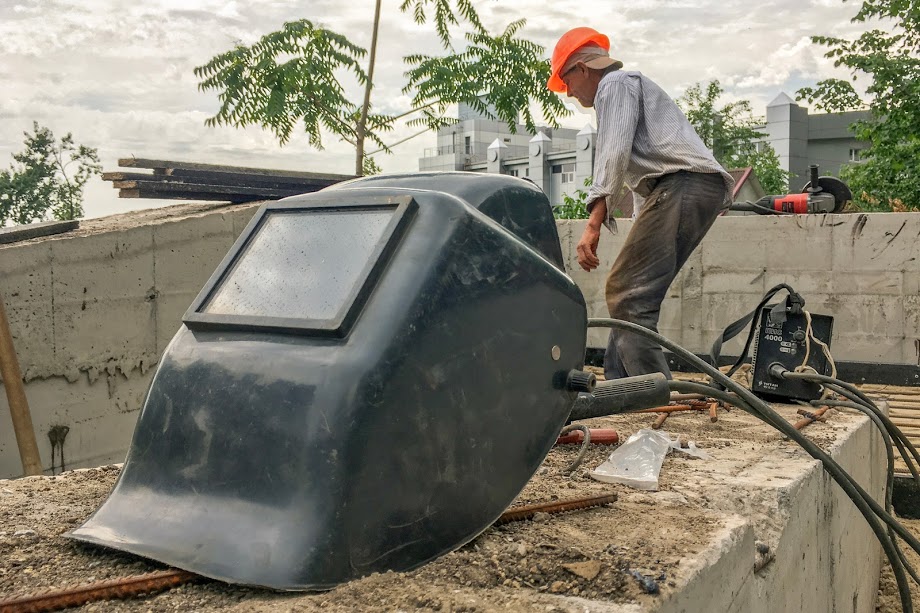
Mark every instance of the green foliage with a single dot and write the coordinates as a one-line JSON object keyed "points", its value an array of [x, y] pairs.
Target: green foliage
{"points": [[889, 177], [574, 207], [42, 182], [294, 76], [444, 16], [732, 135], [289, 77], [370, 167], [502, 71]]}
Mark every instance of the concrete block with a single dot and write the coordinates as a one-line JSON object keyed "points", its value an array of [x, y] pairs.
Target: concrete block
{"points": [[567, 241], [804, 282], [860, 347], [670, 314], [101, 411], [867, 314], [871, 283], [597, 337], [745, 282], [719, 580], [188, 250], [911, 347], [719, 310], [878, 242], [733, 253], [25, 288], [799, 251], [242, 214], [170, 307], [104, 300]]}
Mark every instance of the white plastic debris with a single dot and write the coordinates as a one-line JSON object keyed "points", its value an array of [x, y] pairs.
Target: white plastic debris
{"points": [[637, 462]]}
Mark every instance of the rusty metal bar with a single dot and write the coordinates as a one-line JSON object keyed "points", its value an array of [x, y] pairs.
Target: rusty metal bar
{"points": [[811, 418], [126, 587], [672, 409], [16, 396], [527, 512]]}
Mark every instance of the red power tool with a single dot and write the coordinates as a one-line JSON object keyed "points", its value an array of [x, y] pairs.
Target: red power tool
{"points": [[829, 195]]}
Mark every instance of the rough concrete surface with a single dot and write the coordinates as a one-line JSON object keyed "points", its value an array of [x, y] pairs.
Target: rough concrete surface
{"points": [[91, 311], [757, 528]]}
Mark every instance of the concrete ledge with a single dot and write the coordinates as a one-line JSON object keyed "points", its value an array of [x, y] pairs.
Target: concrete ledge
{"points": [[759, 528]]}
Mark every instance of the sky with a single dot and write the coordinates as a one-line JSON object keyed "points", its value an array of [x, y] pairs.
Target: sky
{"points": [[118, 74]]}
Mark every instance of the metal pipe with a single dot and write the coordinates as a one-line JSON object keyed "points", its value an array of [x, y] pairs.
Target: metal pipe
{"points": [[16, 395]]}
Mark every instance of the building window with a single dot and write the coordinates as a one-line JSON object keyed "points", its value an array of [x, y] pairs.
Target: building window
{"points": [[856, 155], [567, 171], [468, 149]]}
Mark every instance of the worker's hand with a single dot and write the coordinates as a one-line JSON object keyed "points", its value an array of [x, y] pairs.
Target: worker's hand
{"points": [[587, 248]]}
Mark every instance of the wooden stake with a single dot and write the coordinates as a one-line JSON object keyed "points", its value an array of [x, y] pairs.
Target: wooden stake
{"points": [[16, 395]]}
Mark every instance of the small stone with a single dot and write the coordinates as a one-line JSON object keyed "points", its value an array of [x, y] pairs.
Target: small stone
{"points": [[761, 547], [24, 533], [586, 570], [540, 517], [522, 550], [557, 587]]}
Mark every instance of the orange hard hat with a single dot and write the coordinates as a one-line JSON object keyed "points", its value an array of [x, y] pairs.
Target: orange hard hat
{"points": [[570, 42]]}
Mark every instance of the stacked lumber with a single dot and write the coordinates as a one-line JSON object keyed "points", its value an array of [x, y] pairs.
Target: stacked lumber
{"points": [[904, 411], [191, 181]]}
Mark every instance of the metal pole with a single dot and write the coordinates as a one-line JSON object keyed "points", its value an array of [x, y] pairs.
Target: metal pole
{"points": [[16, 395]]}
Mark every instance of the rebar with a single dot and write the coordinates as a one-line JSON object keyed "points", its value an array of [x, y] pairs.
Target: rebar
{"points": [[527, 512], [112, 589]]}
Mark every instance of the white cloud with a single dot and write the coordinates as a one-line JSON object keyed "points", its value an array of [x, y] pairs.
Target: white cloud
{"points": [[119, 75]]}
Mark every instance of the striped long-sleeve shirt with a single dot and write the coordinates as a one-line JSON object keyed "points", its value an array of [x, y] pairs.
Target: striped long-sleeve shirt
{"points": [[641, 135]]}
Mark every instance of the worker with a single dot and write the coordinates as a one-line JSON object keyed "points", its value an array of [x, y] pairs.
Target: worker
{"points": [[645, 142]]}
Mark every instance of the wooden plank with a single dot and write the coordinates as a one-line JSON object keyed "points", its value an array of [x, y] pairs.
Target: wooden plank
{"points": [[243, 178], [191, 195], [217, 178], [35, 230], [136, 193], [164, 164], [172, 188]]}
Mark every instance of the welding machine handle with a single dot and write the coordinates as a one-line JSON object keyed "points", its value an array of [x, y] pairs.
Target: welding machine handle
{"points": [[622, 396]]}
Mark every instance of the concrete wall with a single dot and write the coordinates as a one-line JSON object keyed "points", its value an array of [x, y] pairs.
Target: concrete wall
{"points": [[822, 555], [862, 269], [91, 311]]}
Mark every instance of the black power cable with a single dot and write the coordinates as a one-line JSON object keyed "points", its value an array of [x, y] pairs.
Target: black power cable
{"points": [[850, 488], [746, 400]]}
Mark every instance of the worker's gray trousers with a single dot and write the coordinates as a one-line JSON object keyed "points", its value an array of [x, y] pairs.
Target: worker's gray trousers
{"points": [[671, 223]]}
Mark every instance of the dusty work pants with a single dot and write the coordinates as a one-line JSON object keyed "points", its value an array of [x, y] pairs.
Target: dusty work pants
{"points": [[671, 223]]}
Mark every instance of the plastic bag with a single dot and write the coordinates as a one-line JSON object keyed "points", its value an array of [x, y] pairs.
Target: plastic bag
{"points": [[637, 462]]}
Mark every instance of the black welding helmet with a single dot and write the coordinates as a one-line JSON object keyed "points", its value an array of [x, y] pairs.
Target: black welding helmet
{"points": [[370, 377]]}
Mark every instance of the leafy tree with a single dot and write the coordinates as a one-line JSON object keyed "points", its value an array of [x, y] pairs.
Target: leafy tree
{"points": [[293, 76], [576, 206], [732, 135], [42, 180], [889, 177]]}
